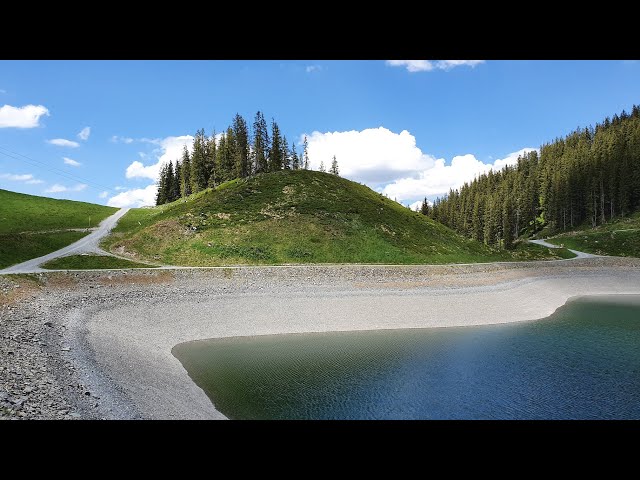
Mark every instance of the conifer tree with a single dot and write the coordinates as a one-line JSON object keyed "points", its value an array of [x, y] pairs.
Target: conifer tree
{"points": [[305, 154], [261, 143], [275, 155], [185, 171], [295, 161], [241, 138], [321, 169], [334, 166]]}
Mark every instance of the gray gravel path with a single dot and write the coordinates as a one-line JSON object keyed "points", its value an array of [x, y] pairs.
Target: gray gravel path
{"points": [[578, 254], [88, 244]]}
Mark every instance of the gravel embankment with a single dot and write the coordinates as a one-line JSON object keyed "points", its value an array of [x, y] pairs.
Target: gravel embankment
{"points": [[97, 344]]}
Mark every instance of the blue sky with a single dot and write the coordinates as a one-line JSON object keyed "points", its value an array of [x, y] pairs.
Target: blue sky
{"points": [[406, 128]]}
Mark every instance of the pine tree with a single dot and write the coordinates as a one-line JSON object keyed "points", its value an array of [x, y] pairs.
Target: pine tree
{"points": [[295, 161], [261, 143], [275, 155], [241, 137], [199, 172], [321, 169], [286, 155], [161, 195], [424, 208], [305, 154], [210, 155], [185, 177], [175, 185], [334, 166]]}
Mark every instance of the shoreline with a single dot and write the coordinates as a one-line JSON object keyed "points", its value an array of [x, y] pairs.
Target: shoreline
{"points": [[107, 348]]}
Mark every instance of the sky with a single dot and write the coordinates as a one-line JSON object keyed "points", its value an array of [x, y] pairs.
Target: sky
{"points": [[98, 131]]}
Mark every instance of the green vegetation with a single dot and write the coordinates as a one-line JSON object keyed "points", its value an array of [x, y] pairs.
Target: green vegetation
{"points": [[33, 226], [620, 238], [235, 153], [590, 177], [20, 247], [89, 262], [28, 213], [295, 216]]}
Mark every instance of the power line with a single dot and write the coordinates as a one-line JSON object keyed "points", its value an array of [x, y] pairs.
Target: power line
{"points": [[54, 170]]}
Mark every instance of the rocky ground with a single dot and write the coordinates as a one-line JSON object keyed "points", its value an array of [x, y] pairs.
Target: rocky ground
{"points": [[42, 352]]}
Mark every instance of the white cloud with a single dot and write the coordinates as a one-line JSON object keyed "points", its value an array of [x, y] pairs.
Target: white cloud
{"points": [[119, 188], [22, 117], [138, 197], [117, 139], [170, 148], [439, 179], [70, 161], [84, 133], [16, 178], [57, 188], [27, 178], [61, 142], [313, 68], [374, 156], [104, 194], [428, 65], [416, 205]]}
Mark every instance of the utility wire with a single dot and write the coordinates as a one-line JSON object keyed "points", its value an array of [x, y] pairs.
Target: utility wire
{"points": [[54, 170]]}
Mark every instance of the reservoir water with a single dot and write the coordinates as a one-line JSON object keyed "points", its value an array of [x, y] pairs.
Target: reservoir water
{"points": [[582, 362]]}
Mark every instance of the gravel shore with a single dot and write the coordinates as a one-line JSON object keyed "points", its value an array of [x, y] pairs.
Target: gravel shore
{"points": [[98, 344]]}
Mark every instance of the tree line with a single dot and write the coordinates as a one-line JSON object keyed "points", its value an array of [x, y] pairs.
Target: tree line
{"points": [[591, 176], [236, 153]]}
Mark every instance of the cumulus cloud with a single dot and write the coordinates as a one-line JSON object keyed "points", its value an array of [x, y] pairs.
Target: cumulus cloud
{"points": [[428, 65], [84, 133], [22, 117], [374, 156], [25, 177], [117, 139], [440, 178], [170, 148], [61, 142], [70, 161], [16, 178], [138, 197], [57, 188]]}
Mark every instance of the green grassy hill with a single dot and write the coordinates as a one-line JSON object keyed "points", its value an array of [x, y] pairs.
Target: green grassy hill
{"points": [[33, 226], [295, 217], [620, 238]]}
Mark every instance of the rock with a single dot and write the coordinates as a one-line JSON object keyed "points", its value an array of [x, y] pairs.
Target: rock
{"points": [[75, 415], [65, 349], [28, 389], [49, 324]]}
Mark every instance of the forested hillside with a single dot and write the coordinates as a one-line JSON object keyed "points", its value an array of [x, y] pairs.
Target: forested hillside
{"points": [[587, 178], [235, 153]]}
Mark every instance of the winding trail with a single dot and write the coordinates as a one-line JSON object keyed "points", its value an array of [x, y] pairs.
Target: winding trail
{"points": [[578, 254], [88, 244]]}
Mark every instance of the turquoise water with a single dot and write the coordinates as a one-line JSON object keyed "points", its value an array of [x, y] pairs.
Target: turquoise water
{"points": [[582, 362]]}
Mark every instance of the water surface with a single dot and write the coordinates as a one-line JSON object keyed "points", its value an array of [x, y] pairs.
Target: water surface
{"points": [[581, 362]]}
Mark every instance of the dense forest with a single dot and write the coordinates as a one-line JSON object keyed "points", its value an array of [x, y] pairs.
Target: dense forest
{"points": [[589, 177], [236, 153]]}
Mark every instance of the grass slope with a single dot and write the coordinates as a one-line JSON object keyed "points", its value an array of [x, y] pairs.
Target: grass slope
{"points": [[89, 262], [620, 238], [295, 217], [33, 226]]}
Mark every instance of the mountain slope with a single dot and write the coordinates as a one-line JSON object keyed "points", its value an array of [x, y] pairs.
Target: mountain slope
{"points": [[294, 217], [32, 226]]}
